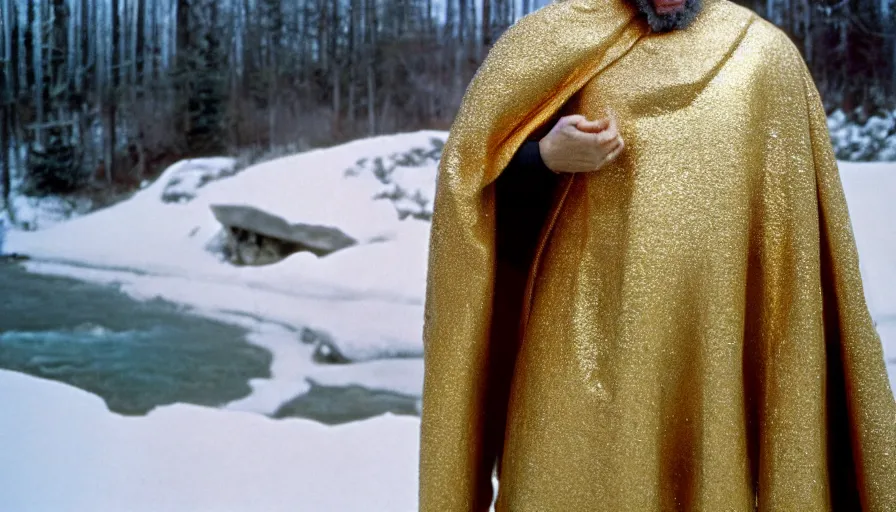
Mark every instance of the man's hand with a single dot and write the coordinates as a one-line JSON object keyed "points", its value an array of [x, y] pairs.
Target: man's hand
{"points": [[576, 144]]}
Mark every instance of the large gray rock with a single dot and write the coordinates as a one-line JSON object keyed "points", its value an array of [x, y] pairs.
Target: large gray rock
{"points": [[255, 237]]}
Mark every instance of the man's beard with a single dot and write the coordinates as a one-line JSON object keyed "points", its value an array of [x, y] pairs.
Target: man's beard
{"points": [[673, 21]]}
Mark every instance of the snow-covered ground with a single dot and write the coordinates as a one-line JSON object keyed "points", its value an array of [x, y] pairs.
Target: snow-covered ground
{"points": [[869, 189], [367, 298], [63, 451]]}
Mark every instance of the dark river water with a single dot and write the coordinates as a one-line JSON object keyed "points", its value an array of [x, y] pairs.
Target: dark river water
{"points": [[137, 355]]}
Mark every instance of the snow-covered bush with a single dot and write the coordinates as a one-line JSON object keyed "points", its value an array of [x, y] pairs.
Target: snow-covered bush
{"points": [[183, 184], [875, 140], [402, 174]]}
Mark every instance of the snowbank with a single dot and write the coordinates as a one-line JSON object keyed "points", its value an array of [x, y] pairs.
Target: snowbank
{"points": [[366, 300], [869, 189], [62, 450], [150, 235]]}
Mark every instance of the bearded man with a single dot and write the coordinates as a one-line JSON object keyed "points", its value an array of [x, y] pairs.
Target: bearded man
{"points": [[672, 319]]}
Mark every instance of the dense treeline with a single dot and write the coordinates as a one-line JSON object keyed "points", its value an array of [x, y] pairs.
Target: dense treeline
{"points": [[850, 46], [106, 92]]}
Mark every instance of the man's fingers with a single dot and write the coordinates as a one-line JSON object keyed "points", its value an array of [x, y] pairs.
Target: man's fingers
{"points": [[613, 154], [603, 137], [595, 126], [572, 120], [609, 136], [614, 144]]}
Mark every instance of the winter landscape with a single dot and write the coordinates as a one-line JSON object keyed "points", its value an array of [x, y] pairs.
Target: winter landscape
{"points": [[214, 227], [360, 307]]}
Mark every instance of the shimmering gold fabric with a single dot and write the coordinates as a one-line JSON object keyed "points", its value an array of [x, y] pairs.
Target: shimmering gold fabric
{"points": [[696, 333]]}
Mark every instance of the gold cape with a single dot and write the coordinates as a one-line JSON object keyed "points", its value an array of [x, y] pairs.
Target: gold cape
{"points": [[695, 331]]}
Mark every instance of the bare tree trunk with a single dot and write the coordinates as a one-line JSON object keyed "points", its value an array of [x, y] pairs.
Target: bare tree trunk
{"points": [[322, 35], [5, 108], [37, 29], [7, 87], [17, 76], [111, 105], [58, 62], [353, 29], [70, 29], [461, 46], [24, 44], [5, 171], [139, 55], [183, 66], [335, 69], [372, 28]]}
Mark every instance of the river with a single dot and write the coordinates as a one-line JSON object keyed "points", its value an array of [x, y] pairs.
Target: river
{"points": [[138, 355]]}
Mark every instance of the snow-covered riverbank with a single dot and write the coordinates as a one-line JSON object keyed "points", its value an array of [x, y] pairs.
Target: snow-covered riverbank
{"points": [[63, 451], [364, 301]]}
